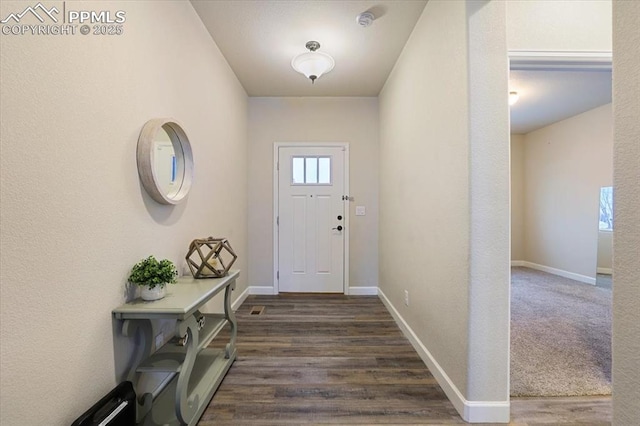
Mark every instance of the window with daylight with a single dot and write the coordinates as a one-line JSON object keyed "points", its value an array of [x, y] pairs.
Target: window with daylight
{"points": [[311, 170], [606, 208]]}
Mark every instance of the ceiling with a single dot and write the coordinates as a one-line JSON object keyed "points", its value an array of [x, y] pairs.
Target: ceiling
{"points": [[259, 38], [550, 96]]}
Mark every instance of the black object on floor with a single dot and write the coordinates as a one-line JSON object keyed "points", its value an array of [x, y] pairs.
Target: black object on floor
{"points": [[117, 408]]}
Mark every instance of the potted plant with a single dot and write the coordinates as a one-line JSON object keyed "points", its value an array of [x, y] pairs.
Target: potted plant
{"points": [[153, 276]]}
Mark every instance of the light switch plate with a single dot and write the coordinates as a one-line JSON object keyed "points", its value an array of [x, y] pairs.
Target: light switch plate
{"points": [[360, 211]]}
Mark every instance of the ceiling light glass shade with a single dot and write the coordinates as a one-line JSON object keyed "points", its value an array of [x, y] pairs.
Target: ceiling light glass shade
{"points": [[513, 97], [313, 64]]}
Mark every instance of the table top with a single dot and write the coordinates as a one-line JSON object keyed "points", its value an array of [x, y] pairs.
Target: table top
{"points": [[182, 298]]}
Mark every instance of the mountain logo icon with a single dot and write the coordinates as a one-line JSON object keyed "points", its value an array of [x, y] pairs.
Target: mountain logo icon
{"points": [[38, 10]]}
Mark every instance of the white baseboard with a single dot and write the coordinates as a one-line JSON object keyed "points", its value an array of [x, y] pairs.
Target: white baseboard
{"points": [[517, 263], [240, 300], [487, 411], [606, 271], [249, 291], [363, 291], [470, 411], [261, 290], [560, 272], [353, 291]]}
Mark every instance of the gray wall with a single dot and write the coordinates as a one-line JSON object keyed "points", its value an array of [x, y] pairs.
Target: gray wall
{"points": [[424, 186], [441, 129], [565, 165], [556, 26], [626, 179], [308, 120], [517, 197], [74, 215]]}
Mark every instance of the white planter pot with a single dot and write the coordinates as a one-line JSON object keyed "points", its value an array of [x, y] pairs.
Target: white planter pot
{"points": [[155, 293]]}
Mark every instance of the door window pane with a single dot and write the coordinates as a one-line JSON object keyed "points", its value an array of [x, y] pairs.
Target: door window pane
{"points": [[311, 170], [324, 170], [298, 170]]}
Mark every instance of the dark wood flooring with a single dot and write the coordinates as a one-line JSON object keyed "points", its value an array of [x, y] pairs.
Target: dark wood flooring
{"points": [[335, 359]]}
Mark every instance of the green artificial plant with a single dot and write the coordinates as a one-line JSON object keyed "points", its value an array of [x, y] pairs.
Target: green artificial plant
{"points": [[152, 272]]}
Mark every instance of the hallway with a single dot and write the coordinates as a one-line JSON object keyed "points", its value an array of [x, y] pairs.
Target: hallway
{"points": [[335, 359]]}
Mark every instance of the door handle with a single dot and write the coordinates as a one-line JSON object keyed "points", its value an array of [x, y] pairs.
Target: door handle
{"points": [[339, 228]]}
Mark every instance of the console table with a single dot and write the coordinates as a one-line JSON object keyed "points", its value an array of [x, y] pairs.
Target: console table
{"points": [[193, 371]]}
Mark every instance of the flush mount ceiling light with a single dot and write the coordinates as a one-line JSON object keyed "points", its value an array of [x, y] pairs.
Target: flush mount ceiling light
{"points": [[313, 63], [513, 97]]}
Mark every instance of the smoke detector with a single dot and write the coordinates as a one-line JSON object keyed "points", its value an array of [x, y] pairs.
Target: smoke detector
{"points": [[365, 19]]}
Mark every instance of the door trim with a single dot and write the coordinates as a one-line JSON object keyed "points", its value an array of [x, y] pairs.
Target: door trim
{"points": [[276, 199], [560, 60]]}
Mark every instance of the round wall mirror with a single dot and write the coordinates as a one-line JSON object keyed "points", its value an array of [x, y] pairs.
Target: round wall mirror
{"points": [[165, 161]]}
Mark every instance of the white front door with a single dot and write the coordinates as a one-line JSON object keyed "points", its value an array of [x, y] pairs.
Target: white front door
{"points": [[311, 219]]}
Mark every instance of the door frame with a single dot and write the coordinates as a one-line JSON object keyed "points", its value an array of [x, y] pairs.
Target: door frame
{"points": [[550, 61], [276, 202]]}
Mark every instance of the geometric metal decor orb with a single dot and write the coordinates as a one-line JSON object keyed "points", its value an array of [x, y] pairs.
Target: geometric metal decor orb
{"points": [[210, 257]]}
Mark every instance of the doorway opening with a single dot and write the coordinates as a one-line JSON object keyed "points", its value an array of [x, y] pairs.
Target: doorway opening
{"points": [[558, 167]]}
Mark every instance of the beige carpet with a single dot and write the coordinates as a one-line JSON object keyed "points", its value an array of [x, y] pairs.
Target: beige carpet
{"points": [[560, 336]]}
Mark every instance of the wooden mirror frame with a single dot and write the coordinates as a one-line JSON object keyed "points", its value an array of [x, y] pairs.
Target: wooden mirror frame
{"points": [[184, 159]]}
